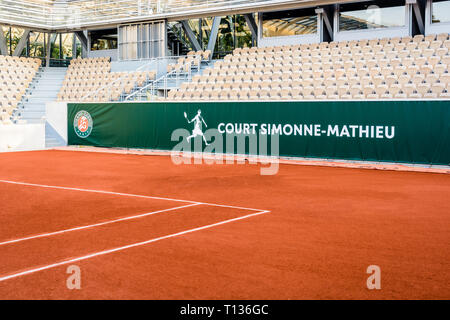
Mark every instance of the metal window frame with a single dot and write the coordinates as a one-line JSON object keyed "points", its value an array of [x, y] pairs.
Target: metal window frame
{"points": [[139, 41], [372, 33], [434, 28]]}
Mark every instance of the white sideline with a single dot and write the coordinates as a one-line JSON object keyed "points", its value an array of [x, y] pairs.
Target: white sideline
{"points": [[48, 234], [125, 194], [23, 273]]}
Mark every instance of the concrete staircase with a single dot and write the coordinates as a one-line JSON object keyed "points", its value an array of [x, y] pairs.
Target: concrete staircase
{"points": [[165, 83], [44, 89]]}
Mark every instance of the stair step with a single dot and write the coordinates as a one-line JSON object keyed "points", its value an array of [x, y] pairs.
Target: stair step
{"points": [[46, 97], [50, 81], [45, 88], [32, 110], [32, 115], [38, 100], [33, 107], [32, 120]]}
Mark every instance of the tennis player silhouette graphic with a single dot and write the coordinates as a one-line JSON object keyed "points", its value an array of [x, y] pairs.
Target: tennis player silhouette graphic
{"points": [[198, 120]]}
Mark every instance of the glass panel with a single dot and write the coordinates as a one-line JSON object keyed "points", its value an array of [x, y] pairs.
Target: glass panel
{"points": [[124, 34], [145, 53], [289, 23], [206, 31], [195, 27], [225, 37], [139, 49], [12, 36], [233, 33], [37, 44], [153, 32], [441, 11], [67, 45], [243, 34], [141, 41], [155, 49], [124, 51], [372, 15], [145, 32]]}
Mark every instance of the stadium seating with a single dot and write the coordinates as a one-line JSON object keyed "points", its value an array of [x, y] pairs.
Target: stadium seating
{"points": [[192, 58], [16, 74], [91, 79], [397, 68]]}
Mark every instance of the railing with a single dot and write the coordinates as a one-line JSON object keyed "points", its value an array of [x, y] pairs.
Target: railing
{"points": [[60, 62], [184, 73], [60, 14], [110, 85], [54, 62]]}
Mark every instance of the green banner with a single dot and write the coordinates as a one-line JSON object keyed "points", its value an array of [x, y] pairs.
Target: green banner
{"points": [[393, 131]]}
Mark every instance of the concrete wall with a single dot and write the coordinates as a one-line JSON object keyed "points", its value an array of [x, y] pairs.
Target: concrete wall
{"points": [[291, 40], [22, 137], [104, 53], [56, 114]]}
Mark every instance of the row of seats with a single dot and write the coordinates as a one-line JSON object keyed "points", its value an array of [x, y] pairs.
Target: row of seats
{"points": [[81, 62], [273, 90], [337, 69], [139, 77], [302, 79], [91, 80], [234, 74], [325, 57], [11, 63], [16, 74], [339, 52], [373, 44]]}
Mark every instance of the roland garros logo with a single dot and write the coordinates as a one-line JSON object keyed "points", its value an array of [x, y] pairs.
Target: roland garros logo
{"points": [[83, 124]]}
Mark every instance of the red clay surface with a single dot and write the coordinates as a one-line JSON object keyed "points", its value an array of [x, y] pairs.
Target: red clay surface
{"points": [[326, 226]]}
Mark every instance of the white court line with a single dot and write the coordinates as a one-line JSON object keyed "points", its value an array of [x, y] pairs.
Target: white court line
{"points": [[48, 234], [125, 194], [96, 254]]}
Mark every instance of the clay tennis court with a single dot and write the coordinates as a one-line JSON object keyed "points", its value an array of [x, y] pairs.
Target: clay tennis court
{"points": [[141, 227]]}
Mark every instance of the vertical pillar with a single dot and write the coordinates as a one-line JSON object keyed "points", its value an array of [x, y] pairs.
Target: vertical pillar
{"points": [[3, 46]]}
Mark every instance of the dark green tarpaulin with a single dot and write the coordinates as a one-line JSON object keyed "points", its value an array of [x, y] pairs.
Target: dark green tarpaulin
{"points": [[393, 131]]}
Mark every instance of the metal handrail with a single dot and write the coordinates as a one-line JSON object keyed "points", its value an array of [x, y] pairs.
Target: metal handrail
{"points": [[151, 84], [119, 79], [163, 77]]}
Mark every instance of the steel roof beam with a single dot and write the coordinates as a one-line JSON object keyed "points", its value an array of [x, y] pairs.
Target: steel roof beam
{"points": [[191, 36], [213, 34], [251, 24], [22, 42]]}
